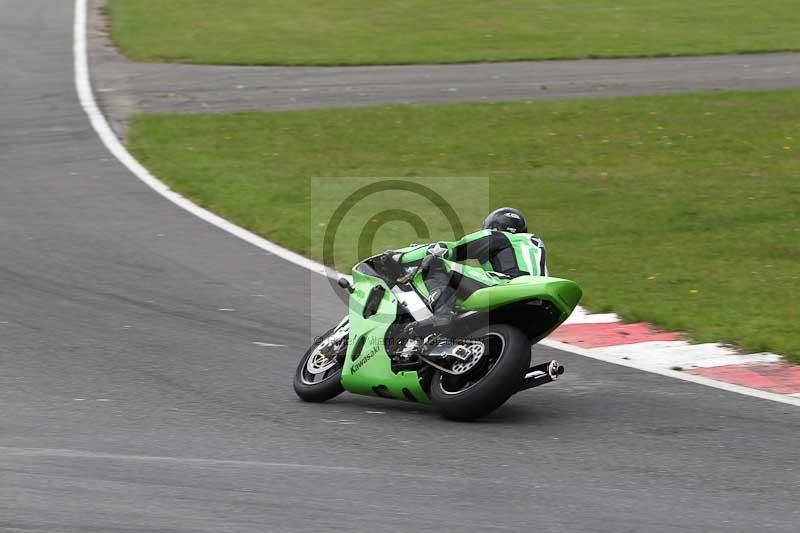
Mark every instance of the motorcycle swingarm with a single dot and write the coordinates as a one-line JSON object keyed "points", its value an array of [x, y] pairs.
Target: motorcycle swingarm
{"points": [[541, 374]]}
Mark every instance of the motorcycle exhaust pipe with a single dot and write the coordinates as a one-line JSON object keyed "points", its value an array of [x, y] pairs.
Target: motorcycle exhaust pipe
{"points": [[541, 374], [555, 369]]}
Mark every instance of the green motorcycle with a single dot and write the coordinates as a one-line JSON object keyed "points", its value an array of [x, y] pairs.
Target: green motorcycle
{"points": [[483, 361]]}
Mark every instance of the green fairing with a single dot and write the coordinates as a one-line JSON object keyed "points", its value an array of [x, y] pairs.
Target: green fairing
{"points": [[563, 293], [374, 367]]}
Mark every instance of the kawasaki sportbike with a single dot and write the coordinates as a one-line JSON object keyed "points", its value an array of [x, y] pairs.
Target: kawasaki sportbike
{"points": [[483, 361]]}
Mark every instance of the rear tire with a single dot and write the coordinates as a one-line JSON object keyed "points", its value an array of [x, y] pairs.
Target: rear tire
{"points": [[329, 383], [499, 376]]}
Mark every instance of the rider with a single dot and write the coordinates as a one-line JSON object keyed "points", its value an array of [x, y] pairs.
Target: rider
{"points": [[503, 247]]}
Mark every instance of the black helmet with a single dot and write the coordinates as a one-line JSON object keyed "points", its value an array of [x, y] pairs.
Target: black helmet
{"points": [[506, 219]]}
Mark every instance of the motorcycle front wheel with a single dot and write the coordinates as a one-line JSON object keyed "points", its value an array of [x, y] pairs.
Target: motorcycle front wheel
{"points": [[487, 386], [318, 375]]}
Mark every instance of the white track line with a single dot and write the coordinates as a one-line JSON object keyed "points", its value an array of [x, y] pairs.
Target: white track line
{"points": [[103, 130], [669, 354], [782, 398], [581, 316], [101, 126]]}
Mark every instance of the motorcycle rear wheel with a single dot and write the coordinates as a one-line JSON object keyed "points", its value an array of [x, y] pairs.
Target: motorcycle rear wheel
{"points": [[319, 378], [491, 383]]}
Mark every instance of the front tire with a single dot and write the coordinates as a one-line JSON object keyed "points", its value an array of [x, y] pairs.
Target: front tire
{"points": [[316, 379], [496, 377]]}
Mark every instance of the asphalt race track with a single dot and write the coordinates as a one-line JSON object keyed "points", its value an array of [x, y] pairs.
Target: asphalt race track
{"points": [[129, 401]]}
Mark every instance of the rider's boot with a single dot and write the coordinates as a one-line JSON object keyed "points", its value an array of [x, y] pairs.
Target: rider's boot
{"points": [[417, 332], [438, 323], [442, 301], [443, 304]]}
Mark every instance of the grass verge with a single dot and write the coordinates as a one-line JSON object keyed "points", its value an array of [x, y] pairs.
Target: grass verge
{"points": [[680, 210], [350, 32]]}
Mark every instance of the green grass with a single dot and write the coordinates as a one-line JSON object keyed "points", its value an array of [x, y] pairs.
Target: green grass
{"points": [[679, 210], [349, 32]]}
